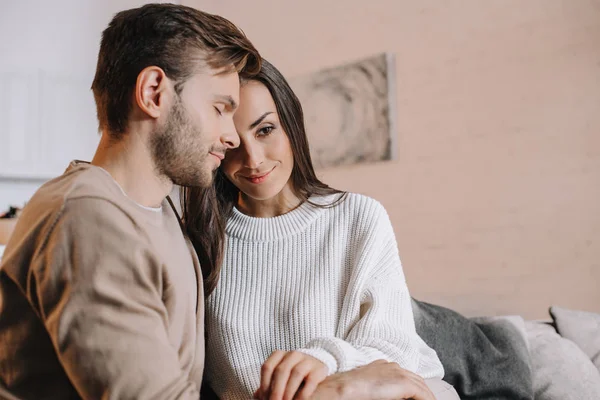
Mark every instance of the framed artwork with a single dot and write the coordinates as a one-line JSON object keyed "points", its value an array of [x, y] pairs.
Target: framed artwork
{"points": [[350, 111]]}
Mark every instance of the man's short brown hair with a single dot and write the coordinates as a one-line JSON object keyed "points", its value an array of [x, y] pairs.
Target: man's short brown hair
{"points": [[175, 38]]}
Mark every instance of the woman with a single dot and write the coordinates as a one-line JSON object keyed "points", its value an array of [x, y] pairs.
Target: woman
{"points": [[309, 282]]}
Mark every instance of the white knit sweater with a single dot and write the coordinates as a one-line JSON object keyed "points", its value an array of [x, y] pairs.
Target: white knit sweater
{"points": [[324, 281]]}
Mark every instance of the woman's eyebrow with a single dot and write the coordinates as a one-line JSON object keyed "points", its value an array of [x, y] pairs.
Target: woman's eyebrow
{"points": [[259, 120]]}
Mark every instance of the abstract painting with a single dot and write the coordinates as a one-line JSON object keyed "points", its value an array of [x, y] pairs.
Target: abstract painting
{"points": [[349, 111]]}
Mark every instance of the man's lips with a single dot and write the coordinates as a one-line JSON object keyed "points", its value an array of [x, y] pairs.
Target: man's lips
{"points": [[220, 156]]}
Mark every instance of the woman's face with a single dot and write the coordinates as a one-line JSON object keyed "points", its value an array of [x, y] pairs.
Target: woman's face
{"points": [[262, 165]]}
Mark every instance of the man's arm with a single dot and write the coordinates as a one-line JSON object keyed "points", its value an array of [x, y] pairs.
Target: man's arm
{"points": [[98, 289], [379, 380]]}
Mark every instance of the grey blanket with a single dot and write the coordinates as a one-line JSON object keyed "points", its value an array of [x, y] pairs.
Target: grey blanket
{"points": [[482, 358]]}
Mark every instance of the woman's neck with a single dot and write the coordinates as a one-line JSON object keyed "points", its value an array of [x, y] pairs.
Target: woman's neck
{"points": [[284, 202]]}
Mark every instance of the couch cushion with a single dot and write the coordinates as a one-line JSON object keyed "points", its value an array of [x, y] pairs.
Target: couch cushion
{"points": [[561, 371], [485, 358], [582, 328]]}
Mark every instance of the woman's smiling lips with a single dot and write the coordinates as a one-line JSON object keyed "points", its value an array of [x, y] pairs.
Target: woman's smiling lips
{"points": [[258, 178]]}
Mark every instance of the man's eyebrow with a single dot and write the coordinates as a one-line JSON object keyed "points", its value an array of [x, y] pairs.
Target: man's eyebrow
{"points": [[227, 100]]}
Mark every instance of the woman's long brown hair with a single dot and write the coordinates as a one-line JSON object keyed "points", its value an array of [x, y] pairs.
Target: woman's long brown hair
{"points": [[206, 210]]}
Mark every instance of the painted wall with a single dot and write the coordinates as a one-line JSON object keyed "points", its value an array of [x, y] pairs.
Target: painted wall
{"points": [[495, 195], [59, 40]]}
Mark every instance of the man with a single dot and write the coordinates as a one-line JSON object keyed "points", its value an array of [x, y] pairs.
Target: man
{"points": [[98, 286], [100, 293]]}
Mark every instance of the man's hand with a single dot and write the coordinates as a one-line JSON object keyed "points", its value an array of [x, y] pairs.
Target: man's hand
{"points": [[380, 380], [288, 375]]}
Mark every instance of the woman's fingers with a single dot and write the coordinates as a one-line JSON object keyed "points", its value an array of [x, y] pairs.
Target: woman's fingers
{"points": [[290, 375], [266, 372], [317, 375]]}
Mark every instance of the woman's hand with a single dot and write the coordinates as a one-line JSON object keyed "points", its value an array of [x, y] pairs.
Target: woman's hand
{"points": [[288, 375]]}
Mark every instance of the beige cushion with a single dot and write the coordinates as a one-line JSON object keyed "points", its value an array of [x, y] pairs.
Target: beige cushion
{"points": [[561, 370], [582, 328]]}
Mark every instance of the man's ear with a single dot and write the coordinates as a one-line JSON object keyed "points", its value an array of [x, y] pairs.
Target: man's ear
{"points": [[152, 91]]}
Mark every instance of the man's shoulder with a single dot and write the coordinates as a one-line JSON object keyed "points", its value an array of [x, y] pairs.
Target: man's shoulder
{"points": [[80, 180], [77, 207], [83, 190]]}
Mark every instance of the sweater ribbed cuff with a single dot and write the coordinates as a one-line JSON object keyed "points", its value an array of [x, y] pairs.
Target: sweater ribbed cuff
{"points": [[324, 356]]}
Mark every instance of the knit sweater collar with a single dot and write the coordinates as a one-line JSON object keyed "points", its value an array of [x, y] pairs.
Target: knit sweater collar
{"points": [[253, 229]]}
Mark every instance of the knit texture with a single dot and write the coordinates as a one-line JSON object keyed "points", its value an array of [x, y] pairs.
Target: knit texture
{"points": [[324, 281]]}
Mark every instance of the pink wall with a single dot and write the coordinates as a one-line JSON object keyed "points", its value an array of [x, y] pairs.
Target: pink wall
{"points": [[495, 196]]}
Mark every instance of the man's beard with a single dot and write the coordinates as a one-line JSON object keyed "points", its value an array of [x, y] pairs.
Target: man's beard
{"points": [[176, 153]]}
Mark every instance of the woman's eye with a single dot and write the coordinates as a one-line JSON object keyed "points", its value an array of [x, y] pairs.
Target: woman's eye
{"points": [[264, 131], [218, 111]]}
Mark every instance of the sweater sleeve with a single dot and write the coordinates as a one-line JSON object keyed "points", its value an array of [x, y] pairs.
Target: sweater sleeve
{"points": [[384, 327], [98, 288]]}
